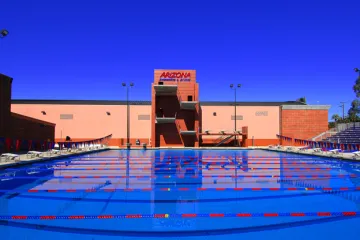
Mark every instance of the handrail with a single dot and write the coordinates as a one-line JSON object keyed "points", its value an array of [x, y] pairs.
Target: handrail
{"points": [[179, 96], [220, 138], [165, 116], [339, 128], [92, 141], [224, 140], [323, 135], [344, 126]]}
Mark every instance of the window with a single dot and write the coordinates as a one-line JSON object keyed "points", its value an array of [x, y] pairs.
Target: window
{"points": [[261, 113], [190, 98], [161, 83], [238, 117], [144, 117], [66, 116]]}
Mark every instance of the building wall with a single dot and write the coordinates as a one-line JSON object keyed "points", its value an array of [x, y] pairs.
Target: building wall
{"points": [[26, 128], [304, 122], [169, 134], [16, 127], [5, 104], [262, 121], [92, 121]]}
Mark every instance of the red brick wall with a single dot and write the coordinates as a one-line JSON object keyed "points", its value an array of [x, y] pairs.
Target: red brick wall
{"points": [[303, 124]]}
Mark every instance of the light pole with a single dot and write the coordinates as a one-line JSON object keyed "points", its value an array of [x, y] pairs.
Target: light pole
{"points": [[127, 113], [343, 109], [232, 87], [4, 33]]}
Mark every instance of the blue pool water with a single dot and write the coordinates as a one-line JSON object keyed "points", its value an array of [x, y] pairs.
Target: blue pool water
{"points": [[182, 194]]}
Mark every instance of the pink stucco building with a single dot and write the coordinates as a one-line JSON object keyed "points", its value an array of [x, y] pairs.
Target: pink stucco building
{"points": [[83, 120], [176, 116]]}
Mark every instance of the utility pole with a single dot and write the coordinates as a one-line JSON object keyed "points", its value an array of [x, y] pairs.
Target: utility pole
{"points": [[343, 109]]}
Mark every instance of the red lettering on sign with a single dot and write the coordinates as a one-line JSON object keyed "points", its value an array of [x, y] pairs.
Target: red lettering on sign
{"points": [[175, 75]]}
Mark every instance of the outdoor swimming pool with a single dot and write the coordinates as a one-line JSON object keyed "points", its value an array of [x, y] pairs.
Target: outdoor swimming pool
{"points": [[182, 194]]}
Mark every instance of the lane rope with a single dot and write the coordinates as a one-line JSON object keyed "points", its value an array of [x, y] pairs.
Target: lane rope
{"points": [[179, 189], [184, 215], [195, 176]]}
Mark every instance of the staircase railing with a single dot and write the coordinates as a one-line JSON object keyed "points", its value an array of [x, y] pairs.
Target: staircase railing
{"points": [[324, 135], [224, 140], [339, 128], [219, 138], [179, 96], [344, 126]]}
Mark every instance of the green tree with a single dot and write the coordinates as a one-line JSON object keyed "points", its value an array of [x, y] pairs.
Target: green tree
{"points": [[302, 100], [331, 125], [356, 87], [335, 117], [354, 110]]}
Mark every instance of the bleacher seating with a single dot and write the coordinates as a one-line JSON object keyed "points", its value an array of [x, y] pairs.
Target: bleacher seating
{"points": [[348, 136]]}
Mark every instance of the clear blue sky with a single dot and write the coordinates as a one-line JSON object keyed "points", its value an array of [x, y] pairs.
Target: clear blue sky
{"points": [[278, 50]]}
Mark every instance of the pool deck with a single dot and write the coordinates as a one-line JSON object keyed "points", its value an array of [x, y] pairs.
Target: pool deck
{"points": [[202, 148], [24, 159], [341, 156]]}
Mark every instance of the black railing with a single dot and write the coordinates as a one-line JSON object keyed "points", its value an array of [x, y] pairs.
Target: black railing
{"points": [[219, 138], [224, 140], [163, 116]]}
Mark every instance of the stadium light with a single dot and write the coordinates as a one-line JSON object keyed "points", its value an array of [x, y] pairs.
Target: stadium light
{"points": [[127, 113], [4, 33]]}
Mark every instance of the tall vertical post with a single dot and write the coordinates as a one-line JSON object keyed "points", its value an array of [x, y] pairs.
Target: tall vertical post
{"points": [[235, 134], [127, 113], [127, 117], [235, 138], [343, 109]]}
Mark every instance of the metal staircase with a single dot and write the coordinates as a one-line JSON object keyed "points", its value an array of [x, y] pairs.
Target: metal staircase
{"points": [[224, 140]]}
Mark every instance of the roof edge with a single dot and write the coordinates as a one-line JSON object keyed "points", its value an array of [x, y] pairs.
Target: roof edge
{"points": [[122, 102], [306, 107]]}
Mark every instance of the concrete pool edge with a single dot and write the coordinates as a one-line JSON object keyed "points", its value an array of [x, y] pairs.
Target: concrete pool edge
{"points": [[185, 148], [51, 158], [340, 157]]}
